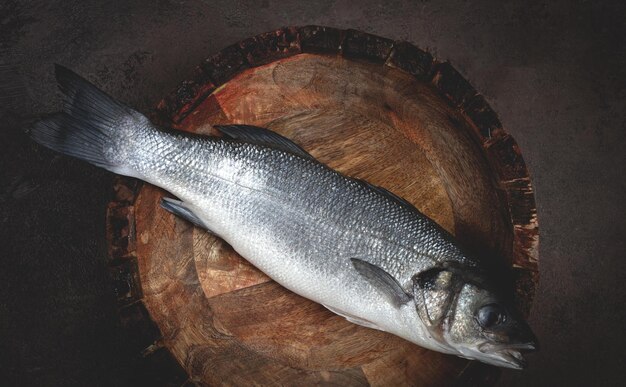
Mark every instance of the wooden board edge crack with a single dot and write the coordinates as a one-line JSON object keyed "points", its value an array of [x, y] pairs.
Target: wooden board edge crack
{"points": [[153, 362]]}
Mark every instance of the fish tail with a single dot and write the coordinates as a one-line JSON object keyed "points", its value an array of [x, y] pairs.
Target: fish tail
{"points": [[92, 126]]}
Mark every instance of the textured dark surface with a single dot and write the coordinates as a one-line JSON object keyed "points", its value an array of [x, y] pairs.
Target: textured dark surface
{"points": [[555, 73]]}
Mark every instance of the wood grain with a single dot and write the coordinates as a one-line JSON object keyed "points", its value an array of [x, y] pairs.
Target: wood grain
{"points": [[371, 108]]}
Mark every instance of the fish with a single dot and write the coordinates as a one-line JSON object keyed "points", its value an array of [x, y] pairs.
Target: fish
{"points": [[361, 251]]}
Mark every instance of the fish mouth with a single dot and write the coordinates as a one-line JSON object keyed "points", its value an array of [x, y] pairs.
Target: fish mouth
{"points": [[512, 359], [507, 355]]}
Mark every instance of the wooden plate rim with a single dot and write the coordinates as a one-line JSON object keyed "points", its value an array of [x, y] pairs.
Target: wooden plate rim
{"points": [[502, 152]]}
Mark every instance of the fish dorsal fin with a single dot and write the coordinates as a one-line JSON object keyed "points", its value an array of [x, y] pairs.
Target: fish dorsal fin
{"points": [[386, 192], [262, 136], [179, 208], [382, 281], [434, 291]]}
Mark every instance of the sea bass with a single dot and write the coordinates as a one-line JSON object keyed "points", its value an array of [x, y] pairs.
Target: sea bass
{"points": [[358, 249]]}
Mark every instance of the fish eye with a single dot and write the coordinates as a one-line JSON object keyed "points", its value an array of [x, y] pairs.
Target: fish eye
{"points": [[490, 315]]}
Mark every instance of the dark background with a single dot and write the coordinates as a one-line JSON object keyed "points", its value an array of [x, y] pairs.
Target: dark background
{"points": [[554, 72]]}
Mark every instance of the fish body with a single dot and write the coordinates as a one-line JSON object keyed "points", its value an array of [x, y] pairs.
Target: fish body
{"points": [[299, 221], [356, 248]]}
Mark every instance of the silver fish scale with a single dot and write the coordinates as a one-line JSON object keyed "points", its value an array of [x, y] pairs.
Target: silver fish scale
{"points": [[309, 210]]}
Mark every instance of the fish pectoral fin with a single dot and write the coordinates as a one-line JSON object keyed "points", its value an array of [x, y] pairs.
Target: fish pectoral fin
{"points": [[179, 208], [353, 319], [382, 281], [258, 135]]}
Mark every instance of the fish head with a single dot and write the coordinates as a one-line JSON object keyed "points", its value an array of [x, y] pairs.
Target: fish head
{"points": [[472, 318]]}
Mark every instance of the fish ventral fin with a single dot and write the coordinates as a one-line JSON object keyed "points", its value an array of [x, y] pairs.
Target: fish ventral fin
{"points": [[262, 136], [382, 281], [353, 319], [179, 208]]}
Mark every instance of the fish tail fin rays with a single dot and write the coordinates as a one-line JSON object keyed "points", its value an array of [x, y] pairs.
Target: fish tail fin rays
{"points": [[92, 126]]}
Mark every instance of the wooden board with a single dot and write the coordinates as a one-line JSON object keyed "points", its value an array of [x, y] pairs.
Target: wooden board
{"points": [[371, 108]]}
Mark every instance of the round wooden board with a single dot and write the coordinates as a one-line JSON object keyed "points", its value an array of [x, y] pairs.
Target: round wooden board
{"points": [[370, 108]]}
